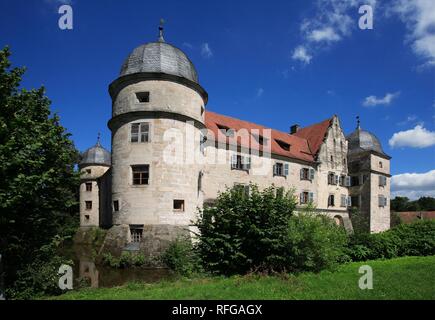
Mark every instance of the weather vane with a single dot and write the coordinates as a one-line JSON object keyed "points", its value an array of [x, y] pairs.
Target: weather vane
{"points": [[162, 22]]}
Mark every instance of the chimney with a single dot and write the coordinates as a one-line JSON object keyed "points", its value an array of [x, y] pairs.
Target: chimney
{"points": [[294, 128]]}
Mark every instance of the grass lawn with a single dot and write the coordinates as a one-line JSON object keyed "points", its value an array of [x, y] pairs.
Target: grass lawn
{"points": [[402, 278]]}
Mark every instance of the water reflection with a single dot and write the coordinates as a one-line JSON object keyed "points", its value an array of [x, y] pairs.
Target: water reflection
{"points": [[88, 272]]}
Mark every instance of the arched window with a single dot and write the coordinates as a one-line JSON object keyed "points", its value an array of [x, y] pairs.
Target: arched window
{"points": [[380, 164], [339, 221]]}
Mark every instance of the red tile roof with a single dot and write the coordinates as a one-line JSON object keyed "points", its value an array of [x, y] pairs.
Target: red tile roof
{"points": [[410, 216], [303, 147], [314, 134]]}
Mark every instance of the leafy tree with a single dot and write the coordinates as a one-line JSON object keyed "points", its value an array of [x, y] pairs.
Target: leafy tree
{"points": [[245, 231], [401, 204], [38, 182]]}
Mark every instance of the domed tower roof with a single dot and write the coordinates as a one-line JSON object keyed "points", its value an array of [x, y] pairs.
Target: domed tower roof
{"points": [[96, 155], [160, 57], [361, 140]]}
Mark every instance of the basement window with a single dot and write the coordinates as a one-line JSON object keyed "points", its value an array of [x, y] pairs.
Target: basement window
{"points": [[136, 232], [143, 97], [179, 205], [88, 186]]}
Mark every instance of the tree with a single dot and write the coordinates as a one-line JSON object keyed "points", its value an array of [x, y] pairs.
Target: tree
{"points": [[38, 182], [399, 204]]}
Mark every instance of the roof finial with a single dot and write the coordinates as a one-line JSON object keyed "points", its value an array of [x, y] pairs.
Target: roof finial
{"points": [[162, 22], [98, 139], [358, 123]]}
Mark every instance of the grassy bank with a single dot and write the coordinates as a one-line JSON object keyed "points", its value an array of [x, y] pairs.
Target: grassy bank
{"points": [[402, 278]]}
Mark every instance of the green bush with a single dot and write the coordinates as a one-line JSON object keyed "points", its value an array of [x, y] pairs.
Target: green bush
{"points": [[245, 231], [40, 277], [416, 239], [182, 258], [314, 242], [127, 260]]}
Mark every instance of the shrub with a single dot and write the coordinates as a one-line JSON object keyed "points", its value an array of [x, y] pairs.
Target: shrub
{"points": [[416, 239], [40, 277], [314, 242], [126, 260], [182, 258], [245, 231]]}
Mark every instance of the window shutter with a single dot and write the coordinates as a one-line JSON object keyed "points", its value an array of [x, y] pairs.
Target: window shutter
{"points": [[311, 174], [311, 197], [347, 181], [301, 173], [247, 164], [337, 179], [381, 201], [234, 161], [343, 200], [301, 198], [286, 169], [274, 169], [349, 201]]}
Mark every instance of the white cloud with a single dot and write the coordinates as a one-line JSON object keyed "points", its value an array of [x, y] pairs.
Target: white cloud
{"points": [[419, 17], [413, 185], [333, 20], [301, 54], [372, 101], [260, 92], [419, 137], [206, 51], [187, 45], [325, 34]]}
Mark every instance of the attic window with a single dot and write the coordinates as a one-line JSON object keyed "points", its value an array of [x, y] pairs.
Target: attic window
{"points": [[260, 139], [143, 97], [226, 130], [283, 145]]}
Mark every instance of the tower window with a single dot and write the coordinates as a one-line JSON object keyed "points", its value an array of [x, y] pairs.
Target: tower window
{"points": [[88, 205], [380, 164], [86, 217], [88, 171], [140, 132], [143, 97], [88, 186], [179, 205], [116, 205], [141, 174], [202, 110]]}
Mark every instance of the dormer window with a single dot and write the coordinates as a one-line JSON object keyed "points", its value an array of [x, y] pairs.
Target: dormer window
{"points": [[283, 145], [143, 97], [226, 130]]}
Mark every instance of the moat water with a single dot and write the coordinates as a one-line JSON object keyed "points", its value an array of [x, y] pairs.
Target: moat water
{"points": [[88, 272]]}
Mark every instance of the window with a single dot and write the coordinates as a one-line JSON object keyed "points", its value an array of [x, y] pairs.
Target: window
{"points": [[354, 181], [382, 201], [243, 188], [333, 179], [140, 174], [88, 205], [203, 140], [239, 162], [343, 200], [332, 162], [280, 169], [331, 201], [344, 162], [88, 171], [88, 186], [116, 205], [307, 174], [179, 205], [202, 110], [200, 181], [306, 197], [140, 132], [136, 232], [382, 181], [380, 164], [226, 130], [143, 97], [283, 145], [86, 217]]}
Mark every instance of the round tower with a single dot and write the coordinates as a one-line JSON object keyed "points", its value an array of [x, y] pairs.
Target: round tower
{"points": [[93, 165], [158, 104]]}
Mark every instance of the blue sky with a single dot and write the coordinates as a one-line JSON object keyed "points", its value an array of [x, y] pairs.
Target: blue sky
{"points": [[276, 63]]}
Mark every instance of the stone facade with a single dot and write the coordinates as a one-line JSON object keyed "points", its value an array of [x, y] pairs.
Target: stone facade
{"points": [[166, 163]]}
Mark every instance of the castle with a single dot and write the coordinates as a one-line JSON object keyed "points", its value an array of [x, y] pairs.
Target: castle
{"points": [[170, 156]]}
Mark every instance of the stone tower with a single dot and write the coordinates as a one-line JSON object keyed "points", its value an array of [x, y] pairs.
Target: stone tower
{"points": [[157, 103], [94, 166], [369, 168]]}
